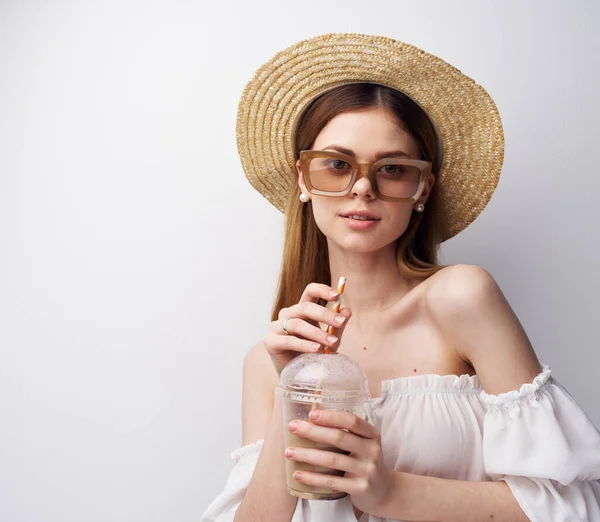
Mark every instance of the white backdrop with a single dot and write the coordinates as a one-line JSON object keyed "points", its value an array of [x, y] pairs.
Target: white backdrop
{"points": [[137, 266]]}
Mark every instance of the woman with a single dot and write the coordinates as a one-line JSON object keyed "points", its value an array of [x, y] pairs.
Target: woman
{"points": [[395, 151]]}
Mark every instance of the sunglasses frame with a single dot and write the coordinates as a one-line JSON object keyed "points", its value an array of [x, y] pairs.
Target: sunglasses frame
{"points": [[362, 169]]}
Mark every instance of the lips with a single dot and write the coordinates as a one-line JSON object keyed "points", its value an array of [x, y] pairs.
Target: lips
{"points": [[362, 215]]}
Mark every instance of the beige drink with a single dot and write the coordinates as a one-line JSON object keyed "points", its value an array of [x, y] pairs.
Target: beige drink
{"points": [[300, 489]]}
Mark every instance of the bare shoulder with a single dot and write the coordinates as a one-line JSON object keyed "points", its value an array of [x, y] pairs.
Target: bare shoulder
{"points": [[258, 386], [257, 360], [467, 306], [456, 286]]}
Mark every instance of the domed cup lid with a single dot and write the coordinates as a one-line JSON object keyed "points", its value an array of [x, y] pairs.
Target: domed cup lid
{"points": [[326, 378]]}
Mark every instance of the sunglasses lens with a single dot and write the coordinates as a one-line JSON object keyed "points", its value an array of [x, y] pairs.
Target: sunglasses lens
{"points": [[397, 180], [329, 174]]}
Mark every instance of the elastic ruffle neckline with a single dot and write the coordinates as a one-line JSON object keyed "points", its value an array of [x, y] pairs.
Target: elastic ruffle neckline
{"points": [[527, 390], [459, 384], [429, 383]]}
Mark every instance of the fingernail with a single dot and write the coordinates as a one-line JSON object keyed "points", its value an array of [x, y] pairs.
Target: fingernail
{"points": [[332, 338], [316, 346], [293, 425], [333, 294], [339, 319], [297, 475], [314, 415], [289, 452]]}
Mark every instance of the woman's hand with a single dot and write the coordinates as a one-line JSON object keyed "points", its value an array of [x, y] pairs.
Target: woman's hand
{"points": [[302, 325], [367, 480]]}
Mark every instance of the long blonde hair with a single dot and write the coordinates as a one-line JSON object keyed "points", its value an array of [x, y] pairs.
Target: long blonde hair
{"points": [[305, 252]]}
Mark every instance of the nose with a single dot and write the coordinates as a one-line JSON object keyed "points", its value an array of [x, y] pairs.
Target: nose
{"points": [[362, 186]]}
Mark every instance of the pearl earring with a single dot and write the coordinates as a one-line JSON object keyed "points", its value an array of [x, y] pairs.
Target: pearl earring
{"points": [[419, 207], [303, 198]]}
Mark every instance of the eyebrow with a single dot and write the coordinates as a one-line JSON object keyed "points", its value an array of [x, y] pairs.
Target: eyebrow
{"points": [[349, 152]]}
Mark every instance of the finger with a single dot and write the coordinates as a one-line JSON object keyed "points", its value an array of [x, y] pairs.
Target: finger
{"points": [[325, 459], [344, 312], [317, 313], [315, 291], [279, 343], [338, 438], [345, 420], [352, 486], [299, 327]]}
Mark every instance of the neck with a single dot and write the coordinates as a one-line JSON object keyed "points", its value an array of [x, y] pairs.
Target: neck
{"points": [[374, 282]]}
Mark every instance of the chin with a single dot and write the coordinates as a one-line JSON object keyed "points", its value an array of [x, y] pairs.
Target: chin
{"points": [[361, 245], [356, 241]]}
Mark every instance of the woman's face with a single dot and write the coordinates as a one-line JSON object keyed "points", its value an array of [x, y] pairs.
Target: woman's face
{"points": [[368, 134]]}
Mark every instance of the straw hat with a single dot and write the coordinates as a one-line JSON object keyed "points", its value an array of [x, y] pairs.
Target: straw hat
{"points": [[463, 113]]}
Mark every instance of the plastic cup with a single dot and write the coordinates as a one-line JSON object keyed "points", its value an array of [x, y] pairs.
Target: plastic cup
{"points": [[324, 381]]}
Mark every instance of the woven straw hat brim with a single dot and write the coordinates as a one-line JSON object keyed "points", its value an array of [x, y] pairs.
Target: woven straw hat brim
{"points": [[463, 112]]}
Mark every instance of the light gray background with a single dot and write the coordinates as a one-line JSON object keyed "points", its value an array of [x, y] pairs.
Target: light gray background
{"points": [[131, 285]]}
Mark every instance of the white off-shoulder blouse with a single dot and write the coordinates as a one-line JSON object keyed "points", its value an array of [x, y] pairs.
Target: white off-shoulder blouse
{"points": [[536, 439]]}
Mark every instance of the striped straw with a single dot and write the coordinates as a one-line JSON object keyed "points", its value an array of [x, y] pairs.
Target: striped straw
{"points": [[330, 330], [336, 307]]}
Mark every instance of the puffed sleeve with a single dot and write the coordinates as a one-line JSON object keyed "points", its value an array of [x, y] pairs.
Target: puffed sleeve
{"points": [[543, 445], [224, 507]]}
